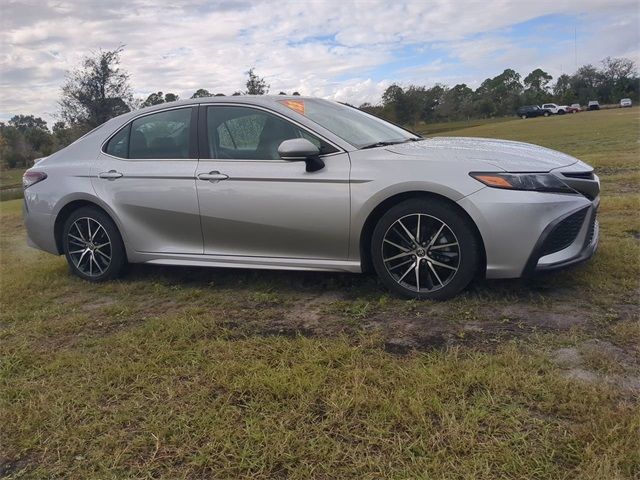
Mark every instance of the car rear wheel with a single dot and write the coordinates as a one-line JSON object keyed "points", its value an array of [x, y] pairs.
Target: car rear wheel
{"points": [[523, 117], [426, 249], [546, 114], [93, 246]]}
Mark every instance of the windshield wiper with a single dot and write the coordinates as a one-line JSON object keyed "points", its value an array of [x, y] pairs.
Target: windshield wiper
{"points": [[387, 143]]}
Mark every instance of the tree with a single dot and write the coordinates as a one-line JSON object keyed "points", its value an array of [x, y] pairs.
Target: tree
{"points": [[64, 135], [27, 122], [586, 83], [538, 80], [392, 95], [619, 78], [158, 98], [201, 93], [563, 91], [614, 69], [96, 91], [153, 99], [500, 95], [256, 85], [537, 86], [15, 149], [457, 103], [27, 137]]}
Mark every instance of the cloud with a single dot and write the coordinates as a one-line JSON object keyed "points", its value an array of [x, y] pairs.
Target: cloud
{"points": [[347, 50]]}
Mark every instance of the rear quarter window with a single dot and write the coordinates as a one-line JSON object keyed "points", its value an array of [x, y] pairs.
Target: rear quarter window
{"points": [[118, 146]]}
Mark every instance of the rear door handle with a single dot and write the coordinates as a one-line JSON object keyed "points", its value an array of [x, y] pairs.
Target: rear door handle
{"points": [[110, 175], [214, 176]]}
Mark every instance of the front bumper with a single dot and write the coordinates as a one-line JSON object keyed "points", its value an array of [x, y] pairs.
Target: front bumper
{"points": [[579, 241], [517, 229]]}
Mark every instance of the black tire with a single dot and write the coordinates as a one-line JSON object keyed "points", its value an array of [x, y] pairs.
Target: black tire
{"points": [[93, 266], [459, 228], [561, 112]]}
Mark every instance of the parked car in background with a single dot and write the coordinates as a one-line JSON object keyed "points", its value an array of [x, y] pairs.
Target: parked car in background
{"points": [[555, 109], [302, 183], [625, 102], [530, 111], [574, 108], [593, 105]]}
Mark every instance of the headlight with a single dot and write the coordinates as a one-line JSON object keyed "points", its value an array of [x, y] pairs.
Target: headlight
{"points": [[537, 182]]}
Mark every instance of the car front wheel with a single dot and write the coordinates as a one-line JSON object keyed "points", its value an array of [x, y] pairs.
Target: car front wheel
{"points": [[426, 249], [93, 246]]}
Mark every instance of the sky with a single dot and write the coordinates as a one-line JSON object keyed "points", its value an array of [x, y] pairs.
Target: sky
{"points": [[343, 50]]}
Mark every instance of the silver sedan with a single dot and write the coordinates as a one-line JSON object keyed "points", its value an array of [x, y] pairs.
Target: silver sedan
{"points": [[307, 184]]}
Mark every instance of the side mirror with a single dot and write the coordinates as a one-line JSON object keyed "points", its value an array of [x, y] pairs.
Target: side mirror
{"points": [[301, 149]]}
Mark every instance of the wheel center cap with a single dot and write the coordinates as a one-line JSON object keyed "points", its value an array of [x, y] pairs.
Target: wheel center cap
{"points": [[420, 252]]}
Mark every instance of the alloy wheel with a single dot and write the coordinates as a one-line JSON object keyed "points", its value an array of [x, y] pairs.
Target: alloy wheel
{"points": [[421, 252], [89, 246]]}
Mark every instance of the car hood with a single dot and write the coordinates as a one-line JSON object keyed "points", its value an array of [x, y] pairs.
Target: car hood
{"points": [[503, 154]]}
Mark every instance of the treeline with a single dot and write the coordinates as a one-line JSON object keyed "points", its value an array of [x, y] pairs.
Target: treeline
{"points": [[501, 95], [99, 89]]}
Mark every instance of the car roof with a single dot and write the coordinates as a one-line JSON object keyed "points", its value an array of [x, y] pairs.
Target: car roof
{"points": [[270, 102], [240, 99]]}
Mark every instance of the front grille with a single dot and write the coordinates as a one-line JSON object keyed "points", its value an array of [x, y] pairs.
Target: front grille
{"points": [[564, 233], [592, 230], [580, 175], [583, 182]]}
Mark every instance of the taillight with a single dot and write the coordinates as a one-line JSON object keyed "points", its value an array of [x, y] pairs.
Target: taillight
{"points": [[31, 177]]}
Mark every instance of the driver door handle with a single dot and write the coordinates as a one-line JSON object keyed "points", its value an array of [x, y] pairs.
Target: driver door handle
{"points": [[110, 175], [213, 176]]}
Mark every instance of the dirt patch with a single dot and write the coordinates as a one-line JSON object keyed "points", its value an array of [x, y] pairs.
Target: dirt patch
{"points": [[560, 316], [600, 362], [308, 312], [633, 233], [14, 467]]}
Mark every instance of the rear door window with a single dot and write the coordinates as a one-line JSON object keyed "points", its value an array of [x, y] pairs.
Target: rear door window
{"points": [[161, 135]]}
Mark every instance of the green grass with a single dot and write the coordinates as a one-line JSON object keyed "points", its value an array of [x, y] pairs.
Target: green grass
{"points": [[11, 183], [441, 127], [11, 177], [214, 373]]}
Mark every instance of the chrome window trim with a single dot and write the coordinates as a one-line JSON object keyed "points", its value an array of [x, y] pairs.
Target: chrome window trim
{"points": [[213, 104], [146, 114]]}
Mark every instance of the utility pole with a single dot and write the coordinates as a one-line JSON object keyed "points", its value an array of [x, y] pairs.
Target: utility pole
{"points": [[575, 46]]}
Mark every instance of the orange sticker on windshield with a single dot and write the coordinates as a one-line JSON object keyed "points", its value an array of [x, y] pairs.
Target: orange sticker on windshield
{"points": [[295, 105]]}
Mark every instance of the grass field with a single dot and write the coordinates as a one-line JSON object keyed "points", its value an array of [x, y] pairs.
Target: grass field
{"points": [[215, 373]]}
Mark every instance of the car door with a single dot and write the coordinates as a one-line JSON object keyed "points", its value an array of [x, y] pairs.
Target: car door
{"points": [[252, 203], [146, 174]]}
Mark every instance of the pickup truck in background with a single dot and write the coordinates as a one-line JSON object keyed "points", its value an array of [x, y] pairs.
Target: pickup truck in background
{"points": [[555, 109]]}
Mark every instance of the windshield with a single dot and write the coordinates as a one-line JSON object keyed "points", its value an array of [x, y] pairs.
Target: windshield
{"points": [[354, 126]]}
